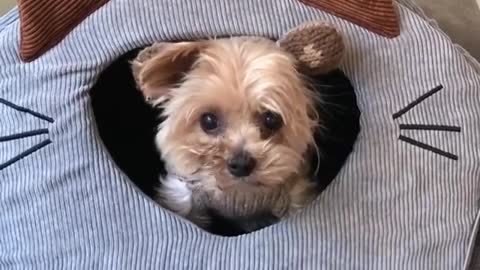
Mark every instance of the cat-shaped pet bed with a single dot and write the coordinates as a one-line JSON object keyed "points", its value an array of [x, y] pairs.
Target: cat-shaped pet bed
{"points": [[407, 197]]}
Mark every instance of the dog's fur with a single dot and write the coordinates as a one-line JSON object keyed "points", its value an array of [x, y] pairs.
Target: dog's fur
{"points": [[237, 79]]}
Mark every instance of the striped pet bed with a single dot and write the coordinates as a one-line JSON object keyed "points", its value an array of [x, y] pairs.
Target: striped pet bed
{"points": [[407, 198]]}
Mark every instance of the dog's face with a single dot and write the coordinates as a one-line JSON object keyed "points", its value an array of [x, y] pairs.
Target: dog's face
{"points": [[236, 110]]}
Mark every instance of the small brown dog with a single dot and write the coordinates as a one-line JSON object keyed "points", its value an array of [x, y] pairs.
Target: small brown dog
{"points": [[238, 116]]}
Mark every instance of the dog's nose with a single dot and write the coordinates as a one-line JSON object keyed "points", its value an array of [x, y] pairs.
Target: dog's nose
{"points": [[241, 164]]}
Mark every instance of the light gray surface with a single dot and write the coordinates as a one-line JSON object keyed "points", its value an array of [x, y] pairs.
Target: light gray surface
{"points": [[6, 5], [460, 19], [394, 206]]}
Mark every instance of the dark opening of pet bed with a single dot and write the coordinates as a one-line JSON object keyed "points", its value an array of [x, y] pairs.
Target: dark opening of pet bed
{"points": [[127, 125]]}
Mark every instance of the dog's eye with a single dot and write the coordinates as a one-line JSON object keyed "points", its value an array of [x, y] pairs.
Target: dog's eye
{"points": [[209, 122], [271, 121]]}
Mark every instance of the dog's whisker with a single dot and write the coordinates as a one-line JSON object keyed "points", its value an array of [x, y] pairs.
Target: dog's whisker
{"points": [[317, 153]]}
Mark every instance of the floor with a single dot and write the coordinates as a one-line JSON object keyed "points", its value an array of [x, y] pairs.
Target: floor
{"points": [[460, 19], [5, 5]]}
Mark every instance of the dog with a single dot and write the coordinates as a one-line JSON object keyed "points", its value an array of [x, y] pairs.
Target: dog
{"points": [[238, 118]]}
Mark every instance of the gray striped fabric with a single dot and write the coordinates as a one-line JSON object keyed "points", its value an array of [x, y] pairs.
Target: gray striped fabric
{"points": [[394, 205]]}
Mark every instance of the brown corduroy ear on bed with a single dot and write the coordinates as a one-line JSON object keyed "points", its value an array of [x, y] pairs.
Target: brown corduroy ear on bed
{"points": [[44, 23], [378, 16]]}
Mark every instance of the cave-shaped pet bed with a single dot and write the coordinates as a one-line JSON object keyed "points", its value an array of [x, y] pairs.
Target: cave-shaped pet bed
{"points": [[406, 198]]}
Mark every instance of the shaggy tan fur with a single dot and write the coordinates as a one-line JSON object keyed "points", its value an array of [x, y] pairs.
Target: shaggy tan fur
{"points": [[237, 79]]}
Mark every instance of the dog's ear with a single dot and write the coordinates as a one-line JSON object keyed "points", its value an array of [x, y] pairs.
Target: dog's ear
{"points": [[161, 66]]}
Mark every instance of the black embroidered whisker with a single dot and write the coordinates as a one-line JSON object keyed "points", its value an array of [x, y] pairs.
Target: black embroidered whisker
{"points": [[26, 110], [23, 135], [25, 154], [417, 101], [428, 147], [429, 127]]}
